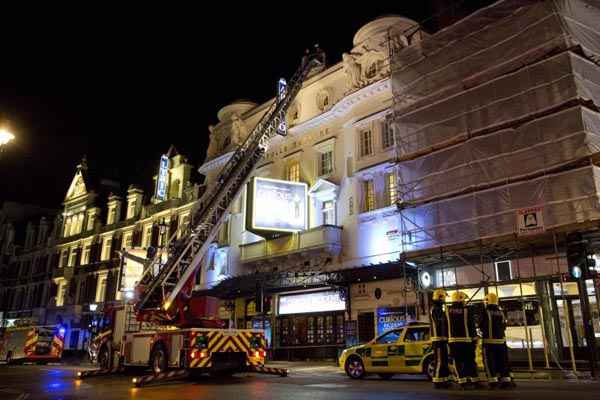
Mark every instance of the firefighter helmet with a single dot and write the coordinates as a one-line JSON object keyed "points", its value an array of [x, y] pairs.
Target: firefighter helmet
{"points": [[491, 298], [439, 295], [459, 297]]}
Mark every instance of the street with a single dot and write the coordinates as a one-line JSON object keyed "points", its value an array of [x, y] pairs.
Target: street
{"points": [[304, 382]]}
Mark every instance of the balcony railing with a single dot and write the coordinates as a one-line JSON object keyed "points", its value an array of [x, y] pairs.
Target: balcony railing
{"points": [[327, 238]]}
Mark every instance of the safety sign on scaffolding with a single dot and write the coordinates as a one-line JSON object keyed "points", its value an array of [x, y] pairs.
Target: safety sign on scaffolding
{"points": [[530, 221]]}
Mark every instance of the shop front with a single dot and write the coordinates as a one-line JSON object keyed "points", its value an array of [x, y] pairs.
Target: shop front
{"points": [[310, 324], [544, 317]]}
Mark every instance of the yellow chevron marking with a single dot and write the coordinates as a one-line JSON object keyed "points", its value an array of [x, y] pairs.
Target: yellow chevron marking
{"points": [[240, 344], [244, 341], [203, 363], [217, 344], [212, 342]]}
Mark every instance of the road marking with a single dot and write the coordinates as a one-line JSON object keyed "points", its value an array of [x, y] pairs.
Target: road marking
{"points": [[327, 385]]}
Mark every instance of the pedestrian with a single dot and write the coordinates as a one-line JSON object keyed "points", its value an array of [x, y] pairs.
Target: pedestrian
{"points": [[461, 340], [439, 339], [492, 324]]}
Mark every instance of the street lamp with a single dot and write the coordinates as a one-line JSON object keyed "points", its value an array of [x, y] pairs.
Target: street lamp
{"points": [[5, 137]]}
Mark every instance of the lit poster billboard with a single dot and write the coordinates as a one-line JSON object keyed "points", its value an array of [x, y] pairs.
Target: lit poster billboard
{"points": [[311, 302], [275, 205]]}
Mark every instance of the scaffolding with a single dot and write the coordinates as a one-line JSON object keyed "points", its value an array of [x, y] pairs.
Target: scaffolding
{"points": [[496, 117]]}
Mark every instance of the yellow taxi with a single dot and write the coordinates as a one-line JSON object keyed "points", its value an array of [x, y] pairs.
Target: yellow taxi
{"points": [[405, 350]]}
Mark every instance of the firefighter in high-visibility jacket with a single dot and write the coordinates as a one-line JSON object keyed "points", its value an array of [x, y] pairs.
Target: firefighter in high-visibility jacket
{"points": [[492, 324], [439, 339], [462, 338]]}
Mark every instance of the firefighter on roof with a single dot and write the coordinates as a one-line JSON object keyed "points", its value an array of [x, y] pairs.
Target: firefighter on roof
{"points": [[439, 339], [495, 353], [462, 340]]}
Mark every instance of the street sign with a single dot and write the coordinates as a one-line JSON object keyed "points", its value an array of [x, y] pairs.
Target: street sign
{"points": [[530, 221]]}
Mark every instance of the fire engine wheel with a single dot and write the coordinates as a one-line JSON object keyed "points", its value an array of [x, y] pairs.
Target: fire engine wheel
{"points": [[355, 368], [104, 358], [159, 360]]}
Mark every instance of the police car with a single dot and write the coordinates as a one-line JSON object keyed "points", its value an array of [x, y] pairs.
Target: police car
{"points": [[405, 350]]}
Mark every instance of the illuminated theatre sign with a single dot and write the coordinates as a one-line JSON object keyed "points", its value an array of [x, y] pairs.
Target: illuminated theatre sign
{"points": [[311, 302], [277, 206], [163, 178]]}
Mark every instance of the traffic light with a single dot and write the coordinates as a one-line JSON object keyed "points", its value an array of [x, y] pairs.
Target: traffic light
{"points": [[577, 256]]}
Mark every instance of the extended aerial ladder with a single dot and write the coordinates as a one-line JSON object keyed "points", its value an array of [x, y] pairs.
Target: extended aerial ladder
{"points": [[164, 295]]}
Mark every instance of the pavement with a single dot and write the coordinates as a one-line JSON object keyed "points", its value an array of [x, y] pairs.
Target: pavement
{"points": [[312, 381]]}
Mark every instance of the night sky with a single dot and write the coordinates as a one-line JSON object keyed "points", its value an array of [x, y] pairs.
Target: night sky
{"points": [[122, 85]]}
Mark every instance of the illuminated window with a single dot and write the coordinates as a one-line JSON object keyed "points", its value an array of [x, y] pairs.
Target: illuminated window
{"points": [[328, 212], [101, 290], [392, 188], [366, 143], [85, 259], [326, 163], [72, 257], [131, 209], [106, 249], [60, 293], [293, 172], [387, 135], [445, 277], [369, 192]]}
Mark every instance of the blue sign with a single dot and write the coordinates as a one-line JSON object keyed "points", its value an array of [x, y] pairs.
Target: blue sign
{"points": [[389, 318], [163, 178]]}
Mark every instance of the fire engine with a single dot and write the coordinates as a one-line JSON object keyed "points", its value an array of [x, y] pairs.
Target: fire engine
{"points": [[30, 343], [166, 325]]}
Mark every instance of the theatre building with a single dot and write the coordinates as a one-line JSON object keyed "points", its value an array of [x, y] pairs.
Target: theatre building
{"points": [[306, 252], [462, 159]]}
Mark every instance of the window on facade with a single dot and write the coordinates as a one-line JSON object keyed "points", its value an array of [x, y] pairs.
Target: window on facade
{"points": [[148, 236], [326, 163], [101, 290], [387, 135], [293, 172], [503, 271], [60, 294], [128, 240], [391, 187], [64, 258], [73, 257], [85, 256], [131, 209], [445, 277], [366, 143], [328, 212], [91, 222], [369, 193], [106, 249], [112, 216]]}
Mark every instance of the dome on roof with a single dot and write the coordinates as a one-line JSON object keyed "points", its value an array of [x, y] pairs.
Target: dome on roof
{"points": [[381, 25], [237, 107]]}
